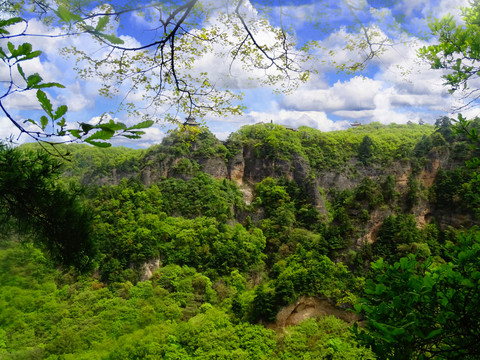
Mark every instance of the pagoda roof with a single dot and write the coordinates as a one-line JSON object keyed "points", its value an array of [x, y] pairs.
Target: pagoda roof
{"points": [[190, 121]]}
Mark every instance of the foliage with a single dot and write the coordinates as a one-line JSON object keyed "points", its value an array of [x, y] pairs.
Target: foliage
{"points": [[328, 337], [32, 196], [223, 265], [200, 196], [131, 227], [396, 231], [267, 141], [330, 150], [47, 314], [193, 143], [365, 150], [457, 49], [422, 310]]}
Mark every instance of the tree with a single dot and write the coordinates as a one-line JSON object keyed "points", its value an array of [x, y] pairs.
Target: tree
{"points": [[425, 310], [443, 126], [457, 51], [365, 150], [163, 68], [37, 204]]}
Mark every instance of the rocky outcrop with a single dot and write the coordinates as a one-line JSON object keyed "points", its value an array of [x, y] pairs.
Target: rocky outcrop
{"points": [[247, 169], [310, 307], [216, 167], [148, 268]]}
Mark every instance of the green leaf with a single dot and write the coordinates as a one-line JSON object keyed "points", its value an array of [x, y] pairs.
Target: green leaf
{"points": [[102, 23], [112, 126], [433, 333], [2, 54], [380, 288], [21, 72], [49, 85], [31, 55], [98, 144], [24, 49], [397, 331], [33, 81], [142, 125], [45, 102], [44, 121], [112, 39], [66, 15], [8, 22], [11, 48], [86, 127], [131, 136], [404, 263], [61, 110], [101, 135], [61, 123], [75, 133], [378, 265], [358, 308]]}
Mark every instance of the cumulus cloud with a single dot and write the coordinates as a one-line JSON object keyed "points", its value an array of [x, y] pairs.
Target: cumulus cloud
{"points": [[425, 8], [314, 119], [356, 94]]}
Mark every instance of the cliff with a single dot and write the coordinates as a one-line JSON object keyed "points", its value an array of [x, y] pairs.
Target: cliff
{"points": [[321, 165]]}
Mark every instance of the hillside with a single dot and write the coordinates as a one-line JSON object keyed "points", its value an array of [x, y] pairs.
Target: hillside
{"points": [[253, 248]]}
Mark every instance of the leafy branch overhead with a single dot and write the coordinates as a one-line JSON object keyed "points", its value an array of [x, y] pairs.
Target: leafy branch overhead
{"points": [[53, 124], [457, 52], [162, 69]]}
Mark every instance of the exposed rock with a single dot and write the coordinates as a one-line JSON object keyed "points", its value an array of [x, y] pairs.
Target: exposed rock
{"points": [[309, 307], [236, 169], [216, 167], [148, 268], [374, 225], [247, 191]]}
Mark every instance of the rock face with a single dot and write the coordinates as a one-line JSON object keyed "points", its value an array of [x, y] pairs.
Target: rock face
{"points": [[216, 167], [247, 167], [309, 307], [148, 269]]}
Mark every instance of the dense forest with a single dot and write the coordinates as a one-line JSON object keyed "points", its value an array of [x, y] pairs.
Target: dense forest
{"points": [[275, 244]]}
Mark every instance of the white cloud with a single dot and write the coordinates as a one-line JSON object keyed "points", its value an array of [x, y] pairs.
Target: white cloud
{"points": [[425, 8], [75, 98], [22, 101], [8, 129], [356, 94]]}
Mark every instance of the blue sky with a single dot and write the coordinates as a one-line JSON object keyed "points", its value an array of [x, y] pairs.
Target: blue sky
{"points": [[395, 87]]}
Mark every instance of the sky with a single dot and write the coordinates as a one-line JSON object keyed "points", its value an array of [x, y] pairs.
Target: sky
{"points": [[395, 87]]}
